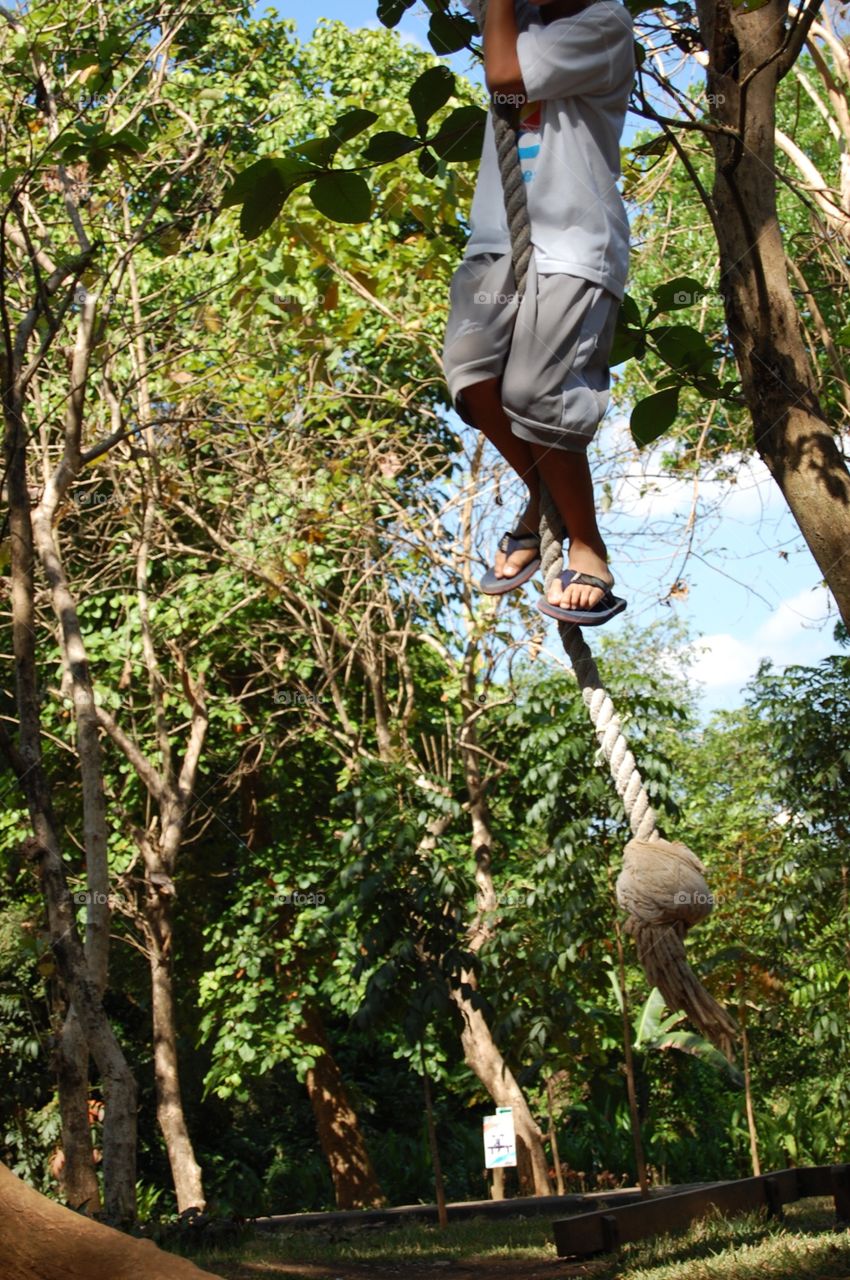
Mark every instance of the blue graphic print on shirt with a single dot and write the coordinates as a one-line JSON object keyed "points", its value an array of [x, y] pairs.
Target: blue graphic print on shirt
{"points": [[528, 137]]}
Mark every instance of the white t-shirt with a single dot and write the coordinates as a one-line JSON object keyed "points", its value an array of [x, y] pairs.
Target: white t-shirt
{"points": [[578, 75]]}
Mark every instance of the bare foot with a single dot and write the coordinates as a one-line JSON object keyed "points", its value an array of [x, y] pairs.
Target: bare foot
{"points": [[510, 566], [583, 559]]}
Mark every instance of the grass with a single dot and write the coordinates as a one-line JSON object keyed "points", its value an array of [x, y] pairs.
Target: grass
{"points": [[749, 1247]]}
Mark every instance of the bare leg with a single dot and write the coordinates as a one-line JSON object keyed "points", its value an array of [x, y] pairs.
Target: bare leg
{"points": [[484, 402], [567, 477]]}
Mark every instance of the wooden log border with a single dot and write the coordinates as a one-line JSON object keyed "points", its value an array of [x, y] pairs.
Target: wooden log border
{"points": [[604, 1230]]}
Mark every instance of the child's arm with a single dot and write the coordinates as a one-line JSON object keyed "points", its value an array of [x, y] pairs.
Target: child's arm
{"points": [[502, 71]]}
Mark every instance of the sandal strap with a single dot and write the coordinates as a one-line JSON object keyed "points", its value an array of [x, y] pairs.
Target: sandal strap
{"points": [[516, 541], [569, 577]]}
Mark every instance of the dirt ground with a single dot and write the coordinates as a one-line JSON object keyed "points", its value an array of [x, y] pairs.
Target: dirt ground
{"points": [[469, 1269]]}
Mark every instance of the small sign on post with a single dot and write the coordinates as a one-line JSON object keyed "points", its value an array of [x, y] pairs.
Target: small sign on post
{"points": [[500, 1139]]}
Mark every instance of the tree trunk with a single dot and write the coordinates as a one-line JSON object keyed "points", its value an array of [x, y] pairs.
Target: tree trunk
{"points": [[790, 431], [82, 987], [71, 1064], [117, 1082], [436, 1163], [483, 1058], [631, 1083], [355, 1183], [553, 1138], [172, 793], [185, 1170], [748, 1082], [42, 1240], [480, 1051]]}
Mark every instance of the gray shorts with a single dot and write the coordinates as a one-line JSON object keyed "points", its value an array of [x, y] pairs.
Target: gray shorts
{"points": [[551, 353]]}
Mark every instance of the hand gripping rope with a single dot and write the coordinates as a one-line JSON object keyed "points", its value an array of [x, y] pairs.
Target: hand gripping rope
{"points": [[661, 885]]}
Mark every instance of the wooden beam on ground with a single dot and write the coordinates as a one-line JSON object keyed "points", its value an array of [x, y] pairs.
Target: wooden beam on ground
{"points": [[604, 1230]]}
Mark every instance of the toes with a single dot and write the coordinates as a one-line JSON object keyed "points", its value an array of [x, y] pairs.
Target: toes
{"points": [[575, 597], [510, 568], [582, 598]]}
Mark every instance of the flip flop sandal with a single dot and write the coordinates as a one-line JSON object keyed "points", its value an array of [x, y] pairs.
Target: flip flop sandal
{"points": [[603, 611], [511, 542]]}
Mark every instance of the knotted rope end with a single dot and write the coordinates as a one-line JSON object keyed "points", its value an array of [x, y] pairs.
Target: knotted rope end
{"points": [[663, 889]]}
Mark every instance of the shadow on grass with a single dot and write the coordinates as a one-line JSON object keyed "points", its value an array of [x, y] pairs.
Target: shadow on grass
{"points": [[804, 1246]]}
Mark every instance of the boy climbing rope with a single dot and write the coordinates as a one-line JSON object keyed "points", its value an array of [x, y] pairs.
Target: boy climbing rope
{"points": [[533, 376]]}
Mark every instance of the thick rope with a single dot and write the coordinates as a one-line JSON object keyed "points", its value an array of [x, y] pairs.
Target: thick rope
{"points": [[661, 885]]}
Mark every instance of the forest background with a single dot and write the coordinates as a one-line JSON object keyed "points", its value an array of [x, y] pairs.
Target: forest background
{"points": [[332, 822]]}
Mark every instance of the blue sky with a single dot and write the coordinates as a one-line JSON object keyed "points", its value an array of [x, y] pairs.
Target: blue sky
{"points": [[752, 589]]}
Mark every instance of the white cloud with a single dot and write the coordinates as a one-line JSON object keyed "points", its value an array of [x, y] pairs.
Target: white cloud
{"points": [[723, 661], [797, 631], [792, 624], [643, 493]]}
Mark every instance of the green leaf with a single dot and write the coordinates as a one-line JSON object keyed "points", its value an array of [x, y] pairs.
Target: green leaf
{"points": [[448, 33], [88, 58], [699, 1047], [317, 151], [389, 145], [653, 146], [675, 294], [245, 182], [461, 136], [342, 196], [110, 45], [428, 93], [683, 347], [628, 343], [654, 415], [649, 1019], [321, 151], [264, 189], [629, 338], [350, 123], [262, 205], [637, 7], [391, 12], [429, 165], [265, 177], [615, 984], [630, 311], [10, 176], [127, 141]]}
